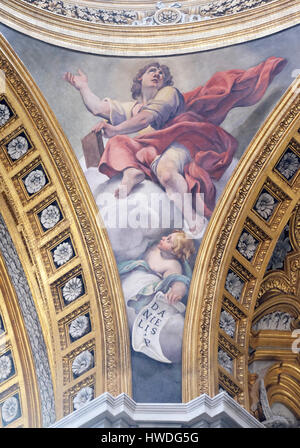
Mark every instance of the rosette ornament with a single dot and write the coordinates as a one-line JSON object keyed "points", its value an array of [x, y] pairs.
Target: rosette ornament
{"points": [[82, 363], [234, 285], [227, 323], [289, 165], [247, 245], [265, 205], [63, 253], [10, 409], [6, 366], [17, 147], [72, 289], [35, 181], [4, 114], [50, 217], [84, 396], [79, 327]]}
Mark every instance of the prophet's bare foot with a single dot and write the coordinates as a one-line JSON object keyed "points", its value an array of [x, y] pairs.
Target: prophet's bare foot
{"points": [[121, 192], [131, 177]]}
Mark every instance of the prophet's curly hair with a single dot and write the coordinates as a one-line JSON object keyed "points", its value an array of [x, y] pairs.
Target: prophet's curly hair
{"points": [[136, 87]]}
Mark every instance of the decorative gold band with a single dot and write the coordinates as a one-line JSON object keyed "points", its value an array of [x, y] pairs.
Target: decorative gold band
{"points": [[125, 40]]}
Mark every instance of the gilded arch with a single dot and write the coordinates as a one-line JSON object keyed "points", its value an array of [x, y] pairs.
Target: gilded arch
{"points": [[88, 257], [275, 355], [219, 258], [282, 383]]}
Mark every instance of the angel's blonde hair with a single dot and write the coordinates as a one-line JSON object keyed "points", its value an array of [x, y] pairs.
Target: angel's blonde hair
{"points": [[183, 247]]}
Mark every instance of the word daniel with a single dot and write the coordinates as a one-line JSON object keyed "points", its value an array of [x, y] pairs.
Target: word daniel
{"points": [[149, 323]]}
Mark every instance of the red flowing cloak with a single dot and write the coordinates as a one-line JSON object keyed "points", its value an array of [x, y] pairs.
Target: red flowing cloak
{"points": [[197, 128]]}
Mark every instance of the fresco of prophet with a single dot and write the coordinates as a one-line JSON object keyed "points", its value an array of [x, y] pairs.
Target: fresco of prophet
{"points": [[180, 144], [173, 140]]}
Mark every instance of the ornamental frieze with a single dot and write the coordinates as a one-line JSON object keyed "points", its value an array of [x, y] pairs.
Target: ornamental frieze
{"points": [[103, 28], [162, 14]]}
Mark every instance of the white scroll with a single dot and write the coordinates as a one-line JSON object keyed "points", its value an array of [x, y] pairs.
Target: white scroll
{"points": [[149, 323]]}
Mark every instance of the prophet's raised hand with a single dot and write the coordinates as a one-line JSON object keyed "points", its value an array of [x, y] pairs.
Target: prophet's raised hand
{"points": [[78, 81]]}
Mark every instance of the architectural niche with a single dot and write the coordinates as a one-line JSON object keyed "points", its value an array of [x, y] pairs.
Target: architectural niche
{"points": [[274, 363]]}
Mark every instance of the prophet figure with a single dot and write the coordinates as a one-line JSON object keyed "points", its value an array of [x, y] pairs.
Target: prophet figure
{"points": [[180, 143]]}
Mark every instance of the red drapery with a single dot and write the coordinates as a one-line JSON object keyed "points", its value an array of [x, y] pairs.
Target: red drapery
{"points": [[211, 147]]}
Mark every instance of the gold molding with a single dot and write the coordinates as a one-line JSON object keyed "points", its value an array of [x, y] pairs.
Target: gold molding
{"points": [[94, 257], [123, 40], [282, 385], [217, 253]]}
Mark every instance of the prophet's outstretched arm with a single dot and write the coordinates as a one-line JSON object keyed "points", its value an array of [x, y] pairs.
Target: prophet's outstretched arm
{"points": [[92, 102]]}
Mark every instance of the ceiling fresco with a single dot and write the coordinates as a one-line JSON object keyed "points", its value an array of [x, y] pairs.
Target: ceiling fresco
{"points": [[187, 169]]}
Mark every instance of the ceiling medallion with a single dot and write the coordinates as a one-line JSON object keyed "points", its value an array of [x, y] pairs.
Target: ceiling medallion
{"points": [[167, 16]]}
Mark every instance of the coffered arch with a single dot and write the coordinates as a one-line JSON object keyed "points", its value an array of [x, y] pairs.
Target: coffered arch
{"points": [[256, 205], [49, 213]]}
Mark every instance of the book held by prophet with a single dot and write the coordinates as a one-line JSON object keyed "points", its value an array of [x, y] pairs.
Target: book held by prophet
{"points": [[92, 145]]}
